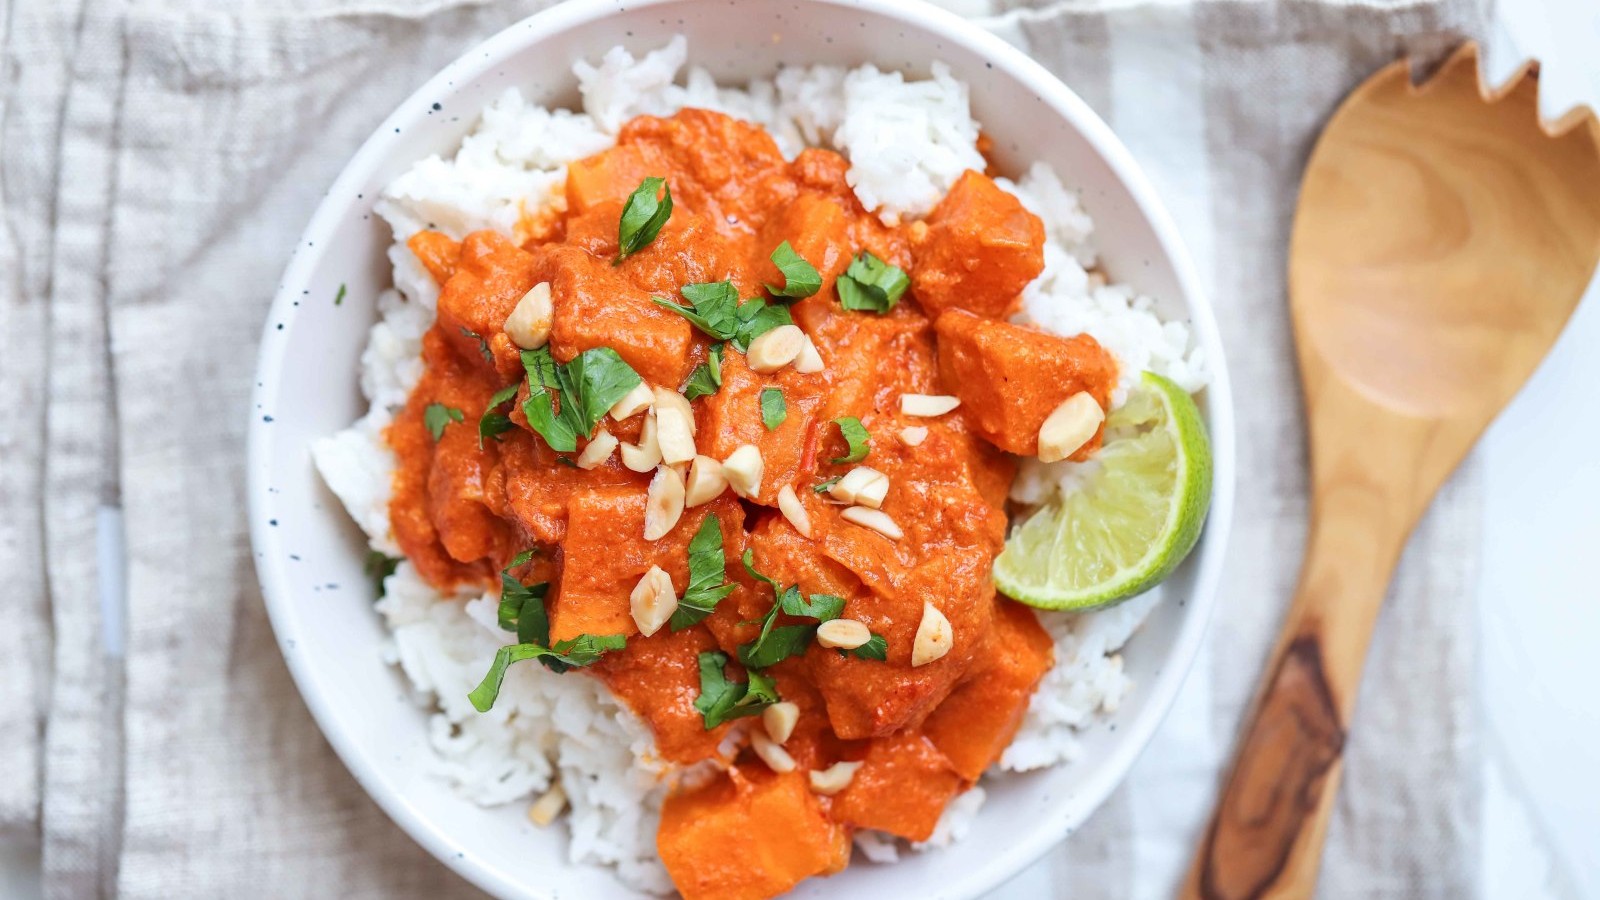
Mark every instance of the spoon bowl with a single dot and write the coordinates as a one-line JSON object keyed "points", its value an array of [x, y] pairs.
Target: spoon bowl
{"points": [[1443, 238]]}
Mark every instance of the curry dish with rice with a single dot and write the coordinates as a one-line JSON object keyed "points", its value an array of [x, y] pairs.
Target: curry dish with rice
{"points": [[733, 446]]}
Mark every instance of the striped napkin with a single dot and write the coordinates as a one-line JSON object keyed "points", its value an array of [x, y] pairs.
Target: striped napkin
{"points": [[160, 159]]}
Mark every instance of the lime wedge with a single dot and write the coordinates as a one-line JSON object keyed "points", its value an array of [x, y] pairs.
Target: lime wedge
{"points": [[1134, 515]]}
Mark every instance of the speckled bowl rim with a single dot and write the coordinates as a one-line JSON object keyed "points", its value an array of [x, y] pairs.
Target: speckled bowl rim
{"points": [[517, 38]]}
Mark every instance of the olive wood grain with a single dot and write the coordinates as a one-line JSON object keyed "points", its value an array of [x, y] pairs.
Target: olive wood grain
{"points": [[1443, 238]]}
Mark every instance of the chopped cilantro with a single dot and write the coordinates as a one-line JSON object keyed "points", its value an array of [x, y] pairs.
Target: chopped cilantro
{"points": [[714, 308], [642, 217], [757, 317], [493, 422], [824, 485], [877, 648], [871, 285], [435, 416], [587, 387], [483, 345], [583, 650], [773, 409], [778, 642], [338, 299], [800, 278], [855, 435], [707, 574], [721, 700], [706, 377], [379, 566]]}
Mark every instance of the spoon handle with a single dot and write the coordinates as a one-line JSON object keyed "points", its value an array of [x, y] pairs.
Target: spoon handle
{"points": [[1265, 835]]}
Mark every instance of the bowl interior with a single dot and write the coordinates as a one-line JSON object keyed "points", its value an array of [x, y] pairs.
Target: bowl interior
{"points": [[309, 555]]}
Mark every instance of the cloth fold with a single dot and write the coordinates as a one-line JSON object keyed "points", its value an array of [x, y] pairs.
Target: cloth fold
{"points": [[160, 161]]}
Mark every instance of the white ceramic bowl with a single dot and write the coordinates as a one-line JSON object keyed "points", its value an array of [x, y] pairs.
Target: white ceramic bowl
{"points": [[308, 376]]}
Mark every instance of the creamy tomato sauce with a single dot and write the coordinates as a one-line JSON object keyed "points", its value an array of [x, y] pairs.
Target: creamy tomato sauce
{"points": [[463, 507]]}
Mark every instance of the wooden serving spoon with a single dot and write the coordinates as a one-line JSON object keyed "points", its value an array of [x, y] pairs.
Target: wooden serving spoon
{"points": [[1444, 236]]}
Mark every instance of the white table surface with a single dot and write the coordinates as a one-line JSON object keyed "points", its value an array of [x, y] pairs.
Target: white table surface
{"points": [[1539, 609]]}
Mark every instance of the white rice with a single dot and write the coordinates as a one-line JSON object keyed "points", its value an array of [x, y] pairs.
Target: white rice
{"points": [[907, 142]]}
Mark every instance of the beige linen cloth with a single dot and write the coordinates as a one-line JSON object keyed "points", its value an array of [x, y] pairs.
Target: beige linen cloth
{"points": [[159, 160]]}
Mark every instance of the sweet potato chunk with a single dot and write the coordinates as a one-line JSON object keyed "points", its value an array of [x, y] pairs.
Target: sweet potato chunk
{"points": [[980, 250], [658, 677], [1010, 378], [611, 175], [748, 835], [597, 307], [605, 554], [977, 721], [490, 277], [902, 787], [731, 418], [437, 252]]}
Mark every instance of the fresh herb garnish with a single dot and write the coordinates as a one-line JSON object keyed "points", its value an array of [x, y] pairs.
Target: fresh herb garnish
{"points": [[435, 416], [583, 650], [338, 299], [773, 409], [706, 377], [522, 606], [877, 648], [379, 566], [775, 643], [757, 317], [642, 217], [707, 572], [824, 485], [800, 278], [493, 422], [856, 436], [721, 699], [871, 285], [714, 308], [483, 345], [587, 387]]}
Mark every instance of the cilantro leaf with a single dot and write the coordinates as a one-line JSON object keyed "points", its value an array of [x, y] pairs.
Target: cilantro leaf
{"points": [[642, 217], [587, 387], [583, 650], [775, 645], [544, 384], [800, 278], [483, 345], [822, 607], [493, 422], [871, 285], [713, 307], [706, 378], [338, 299], [435, 416], [856, 436], [876, 648], [757, 317], [773, 409], [594, 381], [707, 572], [379, 566], [721, 700]]}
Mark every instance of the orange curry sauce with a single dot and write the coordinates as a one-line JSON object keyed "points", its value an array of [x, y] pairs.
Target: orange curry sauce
{"points": [[923, 733]]}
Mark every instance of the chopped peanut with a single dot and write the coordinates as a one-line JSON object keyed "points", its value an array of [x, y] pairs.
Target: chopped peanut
{"points": [[743, 468], [789, 505], [843, 634], [863, 484], [1069, 427], [653, 601], [528, 326], [663, 504], [875, 519], [599, 450], [927, 405], [934, 636], [544, 810], [674, 426], [913, 435], [775, 349], [645, 455], [779, 720], [633, 402], [834, 778], [705, 482], [809, 362], [776, 758]]}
